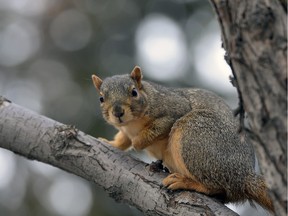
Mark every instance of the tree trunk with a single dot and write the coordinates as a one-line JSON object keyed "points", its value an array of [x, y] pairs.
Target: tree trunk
{"points": [[254, 35], [125, 179]]}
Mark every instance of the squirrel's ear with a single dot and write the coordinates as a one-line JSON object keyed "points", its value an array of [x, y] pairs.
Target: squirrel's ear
{"points": [[136, 75], [97, 82]]}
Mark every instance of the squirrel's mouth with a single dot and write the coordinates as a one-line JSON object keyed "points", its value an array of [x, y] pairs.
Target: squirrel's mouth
{"points": [[120, 120]]}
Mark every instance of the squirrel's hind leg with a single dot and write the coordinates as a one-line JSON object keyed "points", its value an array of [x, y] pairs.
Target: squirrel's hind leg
{"points": [[177, 181], [181, 178]]}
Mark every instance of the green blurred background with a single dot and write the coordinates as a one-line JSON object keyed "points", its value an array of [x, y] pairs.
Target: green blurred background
{"points": [[48, 51]]}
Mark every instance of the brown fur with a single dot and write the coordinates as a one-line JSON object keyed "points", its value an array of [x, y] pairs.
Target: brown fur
{"points": [[177, 181], [192, 130], [181, 177], [256, 189], [176, 163]]}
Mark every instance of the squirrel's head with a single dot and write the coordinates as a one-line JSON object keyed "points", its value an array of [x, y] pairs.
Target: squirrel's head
{"points": [[122, 98]]}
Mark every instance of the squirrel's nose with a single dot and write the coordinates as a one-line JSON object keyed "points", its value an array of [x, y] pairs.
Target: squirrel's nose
{"points": [[118, 111]]}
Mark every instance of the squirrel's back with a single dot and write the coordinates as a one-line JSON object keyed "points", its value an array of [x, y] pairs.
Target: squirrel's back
{"points": [[165, 101]]}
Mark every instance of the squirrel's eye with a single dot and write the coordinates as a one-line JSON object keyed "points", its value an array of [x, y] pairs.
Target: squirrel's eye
{"points": [[134, 92], [101, 99]]}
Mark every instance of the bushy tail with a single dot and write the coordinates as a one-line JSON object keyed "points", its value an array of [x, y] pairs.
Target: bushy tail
{"points": [[256, 189]]}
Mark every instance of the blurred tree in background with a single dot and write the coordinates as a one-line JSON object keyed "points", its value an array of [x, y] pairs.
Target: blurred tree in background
{"points": [[48, 51]]}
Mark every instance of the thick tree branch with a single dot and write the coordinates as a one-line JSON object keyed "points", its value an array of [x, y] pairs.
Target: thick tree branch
{"points": [[126, 179], [255, 37]]}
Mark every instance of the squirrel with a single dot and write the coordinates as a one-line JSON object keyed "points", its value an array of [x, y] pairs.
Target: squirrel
{"points": [[193, 131]]}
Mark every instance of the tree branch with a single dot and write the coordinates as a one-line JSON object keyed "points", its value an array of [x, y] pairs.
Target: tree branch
{"points": [[125, 178], [254, 35]]}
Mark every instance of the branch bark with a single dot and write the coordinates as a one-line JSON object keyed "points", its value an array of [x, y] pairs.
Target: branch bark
{"points": [[254, 36], [126, 179]]}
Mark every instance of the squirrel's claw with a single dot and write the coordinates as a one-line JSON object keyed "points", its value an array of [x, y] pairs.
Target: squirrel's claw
{"points": [[176, 181]]}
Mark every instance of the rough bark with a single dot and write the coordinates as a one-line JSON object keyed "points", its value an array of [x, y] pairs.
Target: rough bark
{"points": [[254, 35], [126, 179]]}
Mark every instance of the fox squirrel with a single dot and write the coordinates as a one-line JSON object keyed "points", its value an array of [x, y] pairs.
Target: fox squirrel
{"points": [[192, 130]]}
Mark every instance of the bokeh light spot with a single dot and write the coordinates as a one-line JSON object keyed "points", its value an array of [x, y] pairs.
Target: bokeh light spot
{"points": [[71, 30], [70, 196], [161, 47], [209, 61], [7, 168], [31, 90], [54, 76], [25, 7], [18, 42]]}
